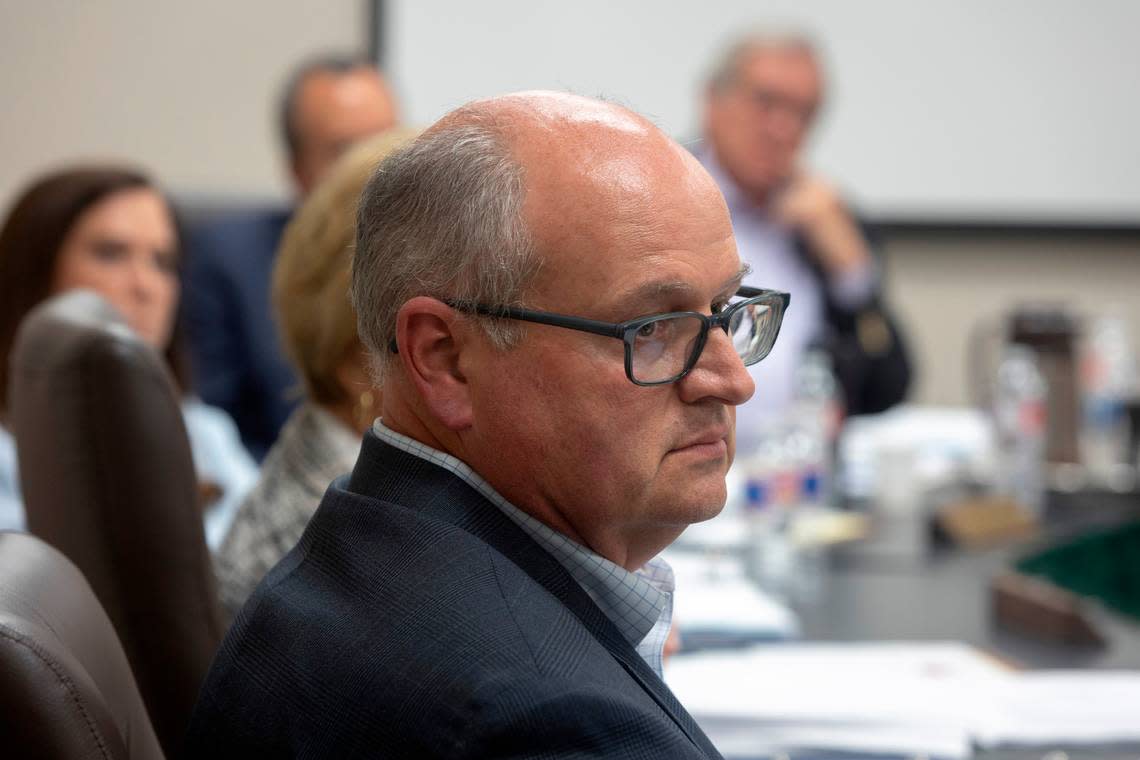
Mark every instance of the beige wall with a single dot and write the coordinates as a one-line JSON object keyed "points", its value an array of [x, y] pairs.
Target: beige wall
{"points": [[188, 90], [941, 286]]}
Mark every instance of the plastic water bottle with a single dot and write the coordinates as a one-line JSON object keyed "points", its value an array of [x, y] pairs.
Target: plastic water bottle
{"points": [[769, 559], [814, 420], [1108, 376], [1019, 418]]}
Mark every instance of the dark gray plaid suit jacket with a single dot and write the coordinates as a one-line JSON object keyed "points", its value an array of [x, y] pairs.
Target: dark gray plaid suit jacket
{"points": [[415, 620]]}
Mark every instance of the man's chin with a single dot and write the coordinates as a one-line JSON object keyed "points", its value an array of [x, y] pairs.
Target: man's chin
{"points": [[694, 486], [766, 179], [704, 505]]}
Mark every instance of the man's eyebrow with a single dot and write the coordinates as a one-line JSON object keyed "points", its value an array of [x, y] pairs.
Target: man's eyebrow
{"points": [[655, 290], [737, 279]]}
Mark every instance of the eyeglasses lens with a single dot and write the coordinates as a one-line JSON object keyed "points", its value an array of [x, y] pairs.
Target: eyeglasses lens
{"points": [[662, 347]]}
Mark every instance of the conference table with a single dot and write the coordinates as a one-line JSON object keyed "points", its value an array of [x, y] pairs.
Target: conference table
{"points": [[945, 595]]}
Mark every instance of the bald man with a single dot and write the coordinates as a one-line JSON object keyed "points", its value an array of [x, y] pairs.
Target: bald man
{"points": [[328, 104], [551, 293]]}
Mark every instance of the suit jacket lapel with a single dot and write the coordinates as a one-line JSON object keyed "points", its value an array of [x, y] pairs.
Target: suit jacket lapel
{"points": [[414, 482]]}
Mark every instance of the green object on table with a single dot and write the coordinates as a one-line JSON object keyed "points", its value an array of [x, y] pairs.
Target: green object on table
{"points": [[1104, 565]]}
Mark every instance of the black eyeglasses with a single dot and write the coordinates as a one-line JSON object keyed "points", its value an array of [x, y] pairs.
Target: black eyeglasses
{"points": [[769, 101], [663, 348]]}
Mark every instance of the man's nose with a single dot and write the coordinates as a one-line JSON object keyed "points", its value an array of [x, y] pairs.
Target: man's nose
{"points": [[719, 373], [785, 124]]}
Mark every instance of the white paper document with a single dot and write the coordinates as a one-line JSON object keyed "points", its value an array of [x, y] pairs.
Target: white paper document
{"points": [[884, 698], [939, 700], [715, 600], [1065, 707]]}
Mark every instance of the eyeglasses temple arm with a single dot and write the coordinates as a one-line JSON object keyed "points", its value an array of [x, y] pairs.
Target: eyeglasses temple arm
{"points": [[595, 326]]}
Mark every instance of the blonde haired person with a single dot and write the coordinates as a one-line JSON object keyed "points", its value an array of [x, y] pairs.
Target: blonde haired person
{"points": [[321, 439]]}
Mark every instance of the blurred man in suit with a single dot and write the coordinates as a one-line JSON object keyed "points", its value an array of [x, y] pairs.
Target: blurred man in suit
{"points": [[794, 229], [548, 286], [328, 104]]}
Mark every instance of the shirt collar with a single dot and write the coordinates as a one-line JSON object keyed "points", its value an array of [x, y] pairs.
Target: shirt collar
{"points": [[634, 602]]}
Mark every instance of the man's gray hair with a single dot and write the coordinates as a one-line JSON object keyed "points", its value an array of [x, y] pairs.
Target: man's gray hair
{"points": [[442, 217], [726, 68]]}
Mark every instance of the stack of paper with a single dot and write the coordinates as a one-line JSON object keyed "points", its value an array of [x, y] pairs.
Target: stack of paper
{"points": [[715, 604], [875, 698], [1065, 707], [939, 700]]}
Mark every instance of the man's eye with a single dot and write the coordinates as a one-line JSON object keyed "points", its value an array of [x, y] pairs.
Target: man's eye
{"points": [[719, 306], [648, 330]]}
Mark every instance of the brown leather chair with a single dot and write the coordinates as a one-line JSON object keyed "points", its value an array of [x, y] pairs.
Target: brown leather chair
{"points": [[108, 479], [66, 690]]}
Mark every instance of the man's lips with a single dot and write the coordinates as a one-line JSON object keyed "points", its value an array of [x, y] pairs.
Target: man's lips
{"points": [[710, 442]]}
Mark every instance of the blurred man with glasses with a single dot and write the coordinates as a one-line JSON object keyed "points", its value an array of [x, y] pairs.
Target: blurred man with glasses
{"points": [[761, 101], [551, 294]]}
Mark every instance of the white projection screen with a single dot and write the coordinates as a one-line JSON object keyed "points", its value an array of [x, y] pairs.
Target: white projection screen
{"points": [[939, 111]]}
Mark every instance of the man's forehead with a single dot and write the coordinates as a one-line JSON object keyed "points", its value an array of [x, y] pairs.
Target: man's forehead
{"points": [[789, 63], [561, 133], [590, 163], [604, 188], [655, 287], [618, 279], [325, 91]]}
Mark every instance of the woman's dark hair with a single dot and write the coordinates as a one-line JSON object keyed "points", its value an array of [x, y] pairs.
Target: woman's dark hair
{"points": [[30, 243]]}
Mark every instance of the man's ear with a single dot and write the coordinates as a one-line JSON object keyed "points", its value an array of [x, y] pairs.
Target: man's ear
{"points": [[430, 339]]}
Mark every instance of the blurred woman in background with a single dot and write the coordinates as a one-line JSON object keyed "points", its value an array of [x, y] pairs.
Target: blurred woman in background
{"points": [[321, 439], [110, 230]]}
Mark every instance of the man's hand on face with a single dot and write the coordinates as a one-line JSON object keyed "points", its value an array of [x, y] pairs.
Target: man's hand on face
{"points": [[813, 208]]}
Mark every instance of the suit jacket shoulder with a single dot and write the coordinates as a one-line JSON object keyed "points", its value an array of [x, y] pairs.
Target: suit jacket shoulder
{"points": [[414, 619]]}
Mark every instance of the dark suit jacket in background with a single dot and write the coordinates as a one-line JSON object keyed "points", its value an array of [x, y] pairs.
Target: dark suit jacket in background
{"points": [[867, 348], [235, 350], [414, 619]]}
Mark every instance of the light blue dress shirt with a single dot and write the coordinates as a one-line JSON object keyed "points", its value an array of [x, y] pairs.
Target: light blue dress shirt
{"points": [[769, 248], [219, 458], [640, 604]]}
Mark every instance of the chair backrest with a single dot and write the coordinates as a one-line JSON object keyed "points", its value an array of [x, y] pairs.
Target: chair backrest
{"points": [[108, 479], [66, 690]]}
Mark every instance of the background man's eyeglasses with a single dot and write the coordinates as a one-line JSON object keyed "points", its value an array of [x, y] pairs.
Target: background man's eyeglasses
{"points": [[770, 102], [663, 348]]}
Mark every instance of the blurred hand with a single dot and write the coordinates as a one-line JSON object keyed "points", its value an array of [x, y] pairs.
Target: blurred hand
{"points": [[813, 208]]}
